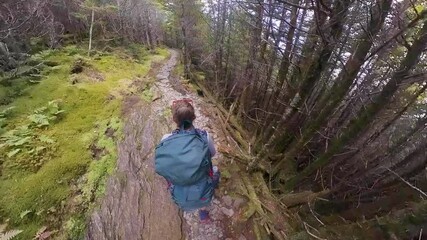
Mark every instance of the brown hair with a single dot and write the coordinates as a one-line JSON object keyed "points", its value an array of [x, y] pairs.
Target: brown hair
{"points": [[182, 112]]}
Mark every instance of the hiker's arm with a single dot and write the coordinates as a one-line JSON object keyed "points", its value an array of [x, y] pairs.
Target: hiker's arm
{"points": [[211, 145]]}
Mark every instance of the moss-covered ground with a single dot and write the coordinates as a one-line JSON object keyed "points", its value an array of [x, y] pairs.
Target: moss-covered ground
{"points": [[51, 172]]}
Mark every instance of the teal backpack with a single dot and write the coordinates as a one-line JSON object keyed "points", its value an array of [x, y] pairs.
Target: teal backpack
{"points": [[194, 196], [183, 158]]}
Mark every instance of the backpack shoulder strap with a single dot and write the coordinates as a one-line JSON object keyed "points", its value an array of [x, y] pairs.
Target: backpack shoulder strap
{"points": [[202, 133], [176, 131]]}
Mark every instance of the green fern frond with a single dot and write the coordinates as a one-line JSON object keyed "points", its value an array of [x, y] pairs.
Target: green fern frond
{"points": [[40, 110], [46, 139], [2, 228], [39, 119], [9, 235], [6, 112]]}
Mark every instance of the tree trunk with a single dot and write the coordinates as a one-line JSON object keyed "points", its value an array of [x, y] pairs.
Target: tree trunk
{"points": [[368, 114], [92, 21]]}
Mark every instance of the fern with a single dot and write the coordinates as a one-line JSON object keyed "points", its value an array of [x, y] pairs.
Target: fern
{"points": [[17, 137], [13, 152], [2, 125], [46, 139], [3, 117], [44, 115], [40, 110], [9, 234], [25, 144], [39, 120], [54, 108], [6, 112], [2, 121]]}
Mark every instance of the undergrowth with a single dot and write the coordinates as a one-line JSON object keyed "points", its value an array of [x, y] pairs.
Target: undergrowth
{"points": [[8, 234], [25, 145], [59, 138]]}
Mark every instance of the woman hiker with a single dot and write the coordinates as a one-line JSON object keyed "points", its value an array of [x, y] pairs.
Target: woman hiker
{"points": [[183, 158]]}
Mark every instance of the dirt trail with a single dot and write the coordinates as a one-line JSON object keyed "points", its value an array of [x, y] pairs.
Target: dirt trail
{"points": [[137, 204]]}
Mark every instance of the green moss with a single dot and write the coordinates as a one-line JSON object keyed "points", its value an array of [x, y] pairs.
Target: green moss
{"points": [[167, 113], [226, 174], [179, 70], [75, 227], [100, 169], [147, 95], [161, 53], [89, 111], [200, 76]]}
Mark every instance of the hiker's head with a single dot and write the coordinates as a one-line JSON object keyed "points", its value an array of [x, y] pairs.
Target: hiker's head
{"points": [[183, 112]]}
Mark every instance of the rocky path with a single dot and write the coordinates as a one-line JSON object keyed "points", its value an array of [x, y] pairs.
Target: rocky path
{"points": [[193, 230], [137, 204]]}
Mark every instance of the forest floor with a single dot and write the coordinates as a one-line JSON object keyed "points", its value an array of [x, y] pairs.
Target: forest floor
{"points": [[137, 204]]}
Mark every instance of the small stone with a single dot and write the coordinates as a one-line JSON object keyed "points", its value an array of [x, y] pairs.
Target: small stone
{"points": [[227, 212], [238, 202], [227, 200]]}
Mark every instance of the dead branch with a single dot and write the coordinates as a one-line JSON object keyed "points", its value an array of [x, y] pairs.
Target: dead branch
{"points": [[407, 183], [311, 234]]}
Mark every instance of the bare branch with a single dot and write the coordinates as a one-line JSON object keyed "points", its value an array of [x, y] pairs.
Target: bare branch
{"points": [[407, 183]]}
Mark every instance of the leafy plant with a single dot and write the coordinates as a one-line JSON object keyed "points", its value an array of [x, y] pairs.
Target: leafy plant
{"points": [[8, 235], [39, 120], [75, 227], [3, 117], [2, 122], [15, 139], [6, 112], [25, 213], [44, 115], [25, 143]]}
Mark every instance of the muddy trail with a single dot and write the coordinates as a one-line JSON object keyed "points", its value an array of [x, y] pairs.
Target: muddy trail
{"points": [[137, 204]]}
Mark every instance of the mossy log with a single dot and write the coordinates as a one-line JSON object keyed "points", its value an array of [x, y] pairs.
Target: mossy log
{"points": [[242, 157], [235, 155], [260, 232], [245, 159], [237, 136], [270, 213]]}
